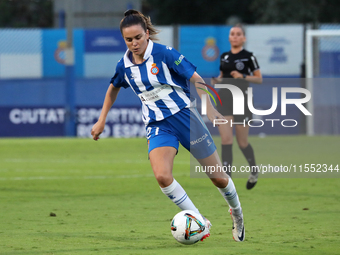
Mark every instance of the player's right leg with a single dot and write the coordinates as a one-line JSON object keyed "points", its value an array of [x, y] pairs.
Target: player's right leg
{"points": [[162, 150]]}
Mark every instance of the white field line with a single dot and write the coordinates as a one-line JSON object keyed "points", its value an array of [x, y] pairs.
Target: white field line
{"points": [[28, 178], [89, 177], [38, 160]]}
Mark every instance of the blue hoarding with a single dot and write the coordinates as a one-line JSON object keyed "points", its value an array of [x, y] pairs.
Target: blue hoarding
{"points": [[203, 46], [54, 44], [104, 40], [49, 121], [32, 121]]}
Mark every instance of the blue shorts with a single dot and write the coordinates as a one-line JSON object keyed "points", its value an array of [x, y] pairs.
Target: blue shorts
{"points": [[185, 127]]}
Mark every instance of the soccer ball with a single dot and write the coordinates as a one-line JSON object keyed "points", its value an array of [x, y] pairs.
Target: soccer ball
{"points": [[188, 227]]}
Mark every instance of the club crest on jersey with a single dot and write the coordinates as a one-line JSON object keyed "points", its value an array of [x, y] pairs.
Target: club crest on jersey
{"points": [[154, 69], [239, 65]]}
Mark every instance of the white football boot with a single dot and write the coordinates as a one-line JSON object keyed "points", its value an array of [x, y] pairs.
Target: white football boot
{"points": [[238, 227]]}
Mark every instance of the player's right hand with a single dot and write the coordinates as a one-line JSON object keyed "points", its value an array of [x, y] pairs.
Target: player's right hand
{"points": [[213, 114], [97, 129]]}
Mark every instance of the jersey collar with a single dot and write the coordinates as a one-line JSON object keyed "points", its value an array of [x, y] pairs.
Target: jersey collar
{"points": [[147, 54]]}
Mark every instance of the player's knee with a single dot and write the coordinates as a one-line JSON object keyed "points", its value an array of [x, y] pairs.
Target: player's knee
{"points": [[220, 182], [164, 180], [242, 144]]}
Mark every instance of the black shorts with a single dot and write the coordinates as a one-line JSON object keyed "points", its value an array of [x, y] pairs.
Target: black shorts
{"points": [[226, 109]]}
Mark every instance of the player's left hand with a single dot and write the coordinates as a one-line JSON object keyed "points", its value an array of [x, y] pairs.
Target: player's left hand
{"points": [[236, 75]]}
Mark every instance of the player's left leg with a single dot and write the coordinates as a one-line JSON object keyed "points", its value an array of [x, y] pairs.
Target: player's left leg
{"points": [[248, 152], [227, 189], [197, 139], [221, 180]]}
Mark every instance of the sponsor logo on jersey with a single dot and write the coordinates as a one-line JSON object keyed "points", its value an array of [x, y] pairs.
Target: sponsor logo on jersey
{"points": [[154, 69], [177, 62]]}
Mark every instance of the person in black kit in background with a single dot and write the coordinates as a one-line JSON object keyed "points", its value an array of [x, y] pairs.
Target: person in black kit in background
{"points": [[241, 67]]}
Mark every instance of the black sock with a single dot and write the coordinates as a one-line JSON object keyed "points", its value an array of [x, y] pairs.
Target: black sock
{"points": [[248, 152], [227, 157]]}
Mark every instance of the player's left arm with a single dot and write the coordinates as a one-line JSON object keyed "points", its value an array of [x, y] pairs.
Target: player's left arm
{"points": [[198, 81], [255, 78]]}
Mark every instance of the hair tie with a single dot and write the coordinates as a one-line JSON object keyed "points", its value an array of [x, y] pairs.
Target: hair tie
{"points": [[130, 12]]}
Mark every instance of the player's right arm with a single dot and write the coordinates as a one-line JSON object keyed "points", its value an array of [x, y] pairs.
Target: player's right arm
{"points": [[110, 98]]}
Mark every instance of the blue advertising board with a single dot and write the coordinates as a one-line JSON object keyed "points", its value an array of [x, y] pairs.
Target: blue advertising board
{"points": [[49, 121], [104, 40], [54, 44], [32, 121], [103, 49], [122, 122], [203, 46]]}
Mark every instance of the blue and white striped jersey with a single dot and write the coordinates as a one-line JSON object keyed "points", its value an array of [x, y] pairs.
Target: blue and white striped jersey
{"points": [[161, 81]]}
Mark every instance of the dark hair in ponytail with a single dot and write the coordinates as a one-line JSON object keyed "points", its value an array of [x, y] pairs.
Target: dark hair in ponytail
{"points": [[133, 17]]}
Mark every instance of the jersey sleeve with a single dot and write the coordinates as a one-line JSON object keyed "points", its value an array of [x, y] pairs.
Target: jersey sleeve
{"points": [[253, 64], [178, 63], [222, 56], [118, 80]]}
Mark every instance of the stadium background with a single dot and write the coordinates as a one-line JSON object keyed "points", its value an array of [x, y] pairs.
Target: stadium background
{"points": [[33, 88], [64, 195]]}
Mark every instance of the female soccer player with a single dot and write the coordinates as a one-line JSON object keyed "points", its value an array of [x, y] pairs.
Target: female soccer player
{"points": [[158, 75], [241, 66]]}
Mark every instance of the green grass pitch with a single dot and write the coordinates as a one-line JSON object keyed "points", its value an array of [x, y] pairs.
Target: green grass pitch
{"points": [[106, 200]]}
